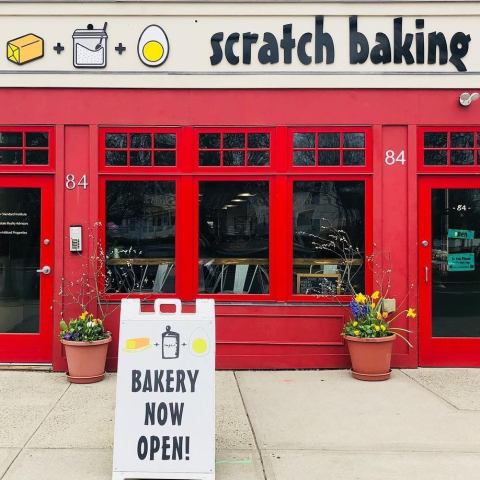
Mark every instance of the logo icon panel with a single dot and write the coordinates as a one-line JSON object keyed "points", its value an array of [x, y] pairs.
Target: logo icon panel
{"points": [[90, 47], [153, 46], [25, 49]]}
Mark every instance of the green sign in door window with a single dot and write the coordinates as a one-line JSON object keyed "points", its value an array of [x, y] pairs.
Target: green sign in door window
{"points": [[461, 262], [461, 234]]}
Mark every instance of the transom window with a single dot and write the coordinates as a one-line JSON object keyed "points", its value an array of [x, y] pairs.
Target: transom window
{"points": [[233, 149], [444, 148], [140, 148], [329, 148], [25, 146]]}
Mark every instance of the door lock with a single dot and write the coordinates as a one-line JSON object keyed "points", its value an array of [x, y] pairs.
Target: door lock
{"points": [[45, 270], [424, 243]]}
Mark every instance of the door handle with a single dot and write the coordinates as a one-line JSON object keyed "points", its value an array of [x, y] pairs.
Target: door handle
{"points": [[45, 270], [426, 274]]}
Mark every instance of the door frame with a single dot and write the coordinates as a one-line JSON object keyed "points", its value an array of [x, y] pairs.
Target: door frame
{"points": [[35, 347], [438, 351]]}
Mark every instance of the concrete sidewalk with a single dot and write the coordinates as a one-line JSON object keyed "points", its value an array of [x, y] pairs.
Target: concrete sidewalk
{"points": [[422, 424]]}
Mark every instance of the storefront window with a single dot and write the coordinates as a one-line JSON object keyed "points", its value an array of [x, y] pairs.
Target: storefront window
{"points": [[233, 243], [329, 148], [234, 149], [140, 149], [329, 237], [24, 148], [456, 148], [140, 236]]}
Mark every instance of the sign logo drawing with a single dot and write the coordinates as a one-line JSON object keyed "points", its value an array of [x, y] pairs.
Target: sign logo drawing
{"points": [[90, 47]]}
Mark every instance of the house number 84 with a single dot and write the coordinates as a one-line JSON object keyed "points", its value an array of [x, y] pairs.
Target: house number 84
{"points": [[71, 183], [391, 157]]}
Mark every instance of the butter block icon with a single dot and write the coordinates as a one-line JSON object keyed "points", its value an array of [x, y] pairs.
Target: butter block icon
{"points": [[25, 49]]}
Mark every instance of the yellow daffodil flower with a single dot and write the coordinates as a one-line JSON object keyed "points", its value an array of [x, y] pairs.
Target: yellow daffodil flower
{"points": [[360, 298], [83, 315], [372, 305], [384, 314], [379, 316], [411, 313], [383, 328], [356, 332], [377, 328], [375, 295], [354, 324]]}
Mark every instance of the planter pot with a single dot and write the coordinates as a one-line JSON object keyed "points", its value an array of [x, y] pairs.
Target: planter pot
{"points": [[370, 357], [86, 360]]}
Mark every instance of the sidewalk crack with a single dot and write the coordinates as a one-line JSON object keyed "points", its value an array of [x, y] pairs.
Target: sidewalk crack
{"points": [[251, 426], [35, 431]]}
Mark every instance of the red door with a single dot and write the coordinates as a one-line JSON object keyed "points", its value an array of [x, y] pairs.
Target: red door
{"points": [[449, 271], [26, 269]]}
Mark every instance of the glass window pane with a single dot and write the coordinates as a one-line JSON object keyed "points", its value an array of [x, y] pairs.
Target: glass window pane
{"points": [[235, 159], [165, 140], [165, 158], [258, 158], [116, 140], [435, 157], [354, 140], [209, 140], [140, 140], [461, 157], [37, 157], [10, 157], [258, 140], [329, 140], [304, 140], [455, 219], [140, 158], [329, 157], [209, 159], [10, 139], [20, 254], [116, 158], [140, 237], [329, 224], [37, 139], [353, 157], [304, 157], [461, 140], [435, 139], [234, 140], [233, 243]]}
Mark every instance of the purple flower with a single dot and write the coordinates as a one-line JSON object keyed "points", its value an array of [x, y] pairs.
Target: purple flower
{"points": [[358, 310], [67, 336]]}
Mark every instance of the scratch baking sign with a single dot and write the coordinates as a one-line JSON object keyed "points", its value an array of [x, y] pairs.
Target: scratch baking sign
{"points": [[165, 403]]}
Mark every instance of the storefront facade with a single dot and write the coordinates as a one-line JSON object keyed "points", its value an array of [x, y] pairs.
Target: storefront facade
{"points": [[216, 150]]}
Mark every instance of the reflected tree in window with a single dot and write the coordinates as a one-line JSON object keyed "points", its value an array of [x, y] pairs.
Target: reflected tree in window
{"points": [[140, 236]]}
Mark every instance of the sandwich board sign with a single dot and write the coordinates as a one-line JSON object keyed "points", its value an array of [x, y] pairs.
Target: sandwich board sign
{"points": [[165, 402]]}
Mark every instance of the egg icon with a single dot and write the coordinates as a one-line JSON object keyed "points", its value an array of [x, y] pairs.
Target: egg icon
{"points": [[153, 46]]}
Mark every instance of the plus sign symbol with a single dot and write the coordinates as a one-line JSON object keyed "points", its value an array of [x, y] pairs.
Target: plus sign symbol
{"points": [[120, 48], [59, 48]]}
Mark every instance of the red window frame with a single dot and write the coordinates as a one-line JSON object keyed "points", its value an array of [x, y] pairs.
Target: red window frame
{"points": [[232, 170], [137, 169], [24, 167], [449, 168], [280, 174], [339, 169]]}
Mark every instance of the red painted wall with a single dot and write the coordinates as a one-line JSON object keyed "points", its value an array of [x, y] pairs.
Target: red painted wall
{"points": [[256, 336]]}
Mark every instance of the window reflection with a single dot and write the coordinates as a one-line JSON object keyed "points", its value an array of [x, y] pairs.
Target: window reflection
{"points": [[329, 225], [140, 236], [233, 244]]}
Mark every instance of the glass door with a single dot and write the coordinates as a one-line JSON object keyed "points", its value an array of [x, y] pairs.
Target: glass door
{"points": [[26, 280], [449, 272]]}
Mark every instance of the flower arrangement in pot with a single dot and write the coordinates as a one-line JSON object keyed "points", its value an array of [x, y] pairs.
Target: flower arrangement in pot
{"points": [[86, 344], [370, 333]]}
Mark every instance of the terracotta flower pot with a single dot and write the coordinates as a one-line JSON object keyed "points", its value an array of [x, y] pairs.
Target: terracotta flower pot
{"points": [[370, 357], [86, 360]]}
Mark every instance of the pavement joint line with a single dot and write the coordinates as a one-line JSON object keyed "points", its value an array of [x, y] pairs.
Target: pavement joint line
{"points": [[251, 426], [433, 392], [358, 451], [35, 431]]}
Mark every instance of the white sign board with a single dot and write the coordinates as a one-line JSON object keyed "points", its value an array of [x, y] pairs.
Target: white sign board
{"points": [[165, 404]]}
